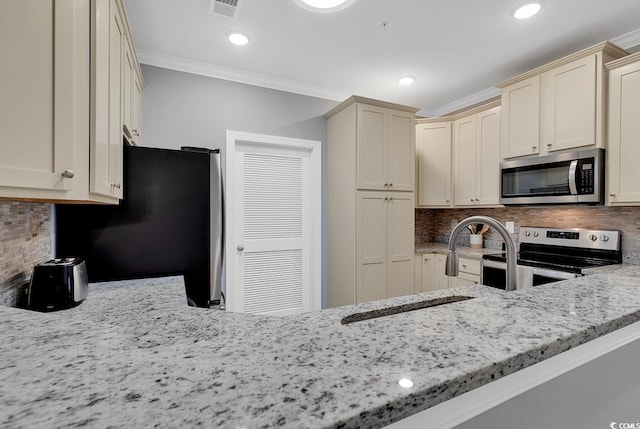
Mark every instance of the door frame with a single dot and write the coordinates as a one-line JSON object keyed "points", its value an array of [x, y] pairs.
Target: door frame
{"points": [[314, 147]]}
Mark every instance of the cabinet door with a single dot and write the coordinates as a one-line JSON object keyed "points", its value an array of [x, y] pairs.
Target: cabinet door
{"points": [[428, 272], [37, 95], [371, 247], [136, 105], [465, 279], [371, 148], [465, 161], [569, 105], [401, 151], [521, 118], [488, 147], [128, 72], [441, 280], [117, 43], [433, 150], [401, 239], [623, 152]]}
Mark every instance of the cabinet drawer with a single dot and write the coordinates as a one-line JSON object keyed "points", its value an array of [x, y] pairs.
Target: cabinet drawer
{"points": [[470, 266]]}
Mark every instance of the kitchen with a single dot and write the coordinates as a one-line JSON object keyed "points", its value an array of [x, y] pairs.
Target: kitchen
{"points": [[173, 106]]}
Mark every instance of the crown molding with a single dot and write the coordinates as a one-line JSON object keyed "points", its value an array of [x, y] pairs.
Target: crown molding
{"points": [[465, 102], [628, 40], [625, 41], [225, 73]]}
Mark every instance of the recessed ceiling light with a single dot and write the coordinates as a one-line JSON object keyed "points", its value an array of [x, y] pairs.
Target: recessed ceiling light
{"points": [[527, 10], [406, 81], [238, 38], [324, 5]]}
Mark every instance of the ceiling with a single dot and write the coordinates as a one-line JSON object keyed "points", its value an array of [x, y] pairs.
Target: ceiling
{"points": [[457, 50]]}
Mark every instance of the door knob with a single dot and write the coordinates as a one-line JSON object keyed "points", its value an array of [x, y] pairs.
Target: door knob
{"points": [[240, 247]]}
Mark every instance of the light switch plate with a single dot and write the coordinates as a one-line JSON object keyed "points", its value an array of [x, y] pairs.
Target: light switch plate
{"points": [[510, 227]]}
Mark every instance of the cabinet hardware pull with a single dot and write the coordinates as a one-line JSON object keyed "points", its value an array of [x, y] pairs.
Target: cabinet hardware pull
{"points": [[477, 199], [612, 194], [386, 184], [446, 201], [390, 198], [117, 185], [240, 247], [548, 144], [390, 184], [534, 147], [471, 200], [68, 174]]}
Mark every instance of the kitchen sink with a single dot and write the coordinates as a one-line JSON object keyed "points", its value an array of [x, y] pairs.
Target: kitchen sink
{"points": [[388, 311]]}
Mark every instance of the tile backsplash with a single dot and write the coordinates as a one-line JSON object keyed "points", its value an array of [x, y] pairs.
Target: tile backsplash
{"points": [[25, 240], [434, 225]]}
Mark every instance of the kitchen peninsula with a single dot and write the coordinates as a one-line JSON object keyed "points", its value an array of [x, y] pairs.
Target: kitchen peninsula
{"points": [[134, 354]]}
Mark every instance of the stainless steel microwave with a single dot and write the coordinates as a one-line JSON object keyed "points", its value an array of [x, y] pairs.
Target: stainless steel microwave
{"points": [[575, 177]]}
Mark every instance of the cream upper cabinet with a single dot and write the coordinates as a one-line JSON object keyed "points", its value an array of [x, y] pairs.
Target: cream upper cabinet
{"points": [[569, 105], [44, 97], [433, 160], [623, 174], [131, 94], [476, 158], [385, 148], [557, 106], [521, 118], [70, 90], [370, 233], [116, 91]]}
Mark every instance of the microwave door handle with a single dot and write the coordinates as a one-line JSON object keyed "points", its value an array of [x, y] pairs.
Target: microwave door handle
{"points": [[573, 189]]}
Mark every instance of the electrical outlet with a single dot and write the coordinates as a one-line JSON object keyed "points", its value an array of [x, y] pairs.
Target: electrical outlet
{"points": [[510, 227]]}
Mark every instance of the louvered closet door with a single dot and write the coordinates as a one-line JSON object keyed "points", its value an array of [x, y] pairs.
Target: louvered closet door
{"points": [[272, 268]]}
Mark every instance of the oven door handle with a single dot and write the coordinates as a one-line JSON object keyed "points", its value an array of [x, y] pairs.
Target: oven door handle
{"points": [[572, 177], [554, 274]]}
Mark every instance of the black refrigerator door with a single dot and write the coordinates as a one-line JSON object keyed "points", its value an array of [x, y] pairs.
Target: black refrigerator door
{"points": [[161, 227]]}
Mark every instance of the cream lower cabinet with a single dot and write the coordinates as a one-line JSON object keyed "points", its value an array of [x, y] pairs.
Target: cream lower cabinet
{"points": [[433, 163], [430, 272], [557, 106], [476, 158], [60, 116], [623, 152], [384, 245]]}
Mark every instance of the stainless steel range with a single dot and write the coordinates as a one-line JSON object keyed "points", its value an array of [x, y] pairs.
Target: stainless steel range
{"points": [[555, 254]]}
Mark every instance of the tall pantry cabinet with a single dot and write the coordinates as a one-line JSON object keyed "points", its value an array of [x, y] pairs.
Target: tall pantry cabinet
{"points": [[370, 201]]}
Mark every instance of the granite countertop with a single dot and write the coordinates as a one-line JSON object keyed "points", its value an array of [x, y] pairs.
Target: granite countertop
{"points": [[133, 354], [464, 251]]}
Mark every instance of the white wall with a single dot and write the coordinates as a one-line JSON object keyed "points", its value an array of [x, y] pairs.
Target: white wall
{"points": [[183, 109]]}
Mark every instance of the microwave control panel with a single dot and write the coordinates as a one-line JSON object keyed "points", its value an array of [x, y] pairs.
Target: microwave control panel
{"points": [[585, 181]]}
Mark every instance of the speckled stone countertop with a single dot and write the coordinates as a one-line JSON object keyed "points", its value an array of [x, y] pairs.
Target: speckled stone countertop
{"points": [[464, 251], [134, 355]]}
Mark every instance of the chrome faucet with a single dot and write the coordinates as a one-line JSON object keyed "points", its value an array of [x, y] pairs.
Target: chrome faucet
{"points": [[451, 268]]}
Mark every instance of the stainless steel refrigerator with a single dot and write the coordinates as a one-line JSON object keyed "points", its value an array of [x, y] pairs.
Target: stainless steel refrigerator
{"points": [[168, 223]]}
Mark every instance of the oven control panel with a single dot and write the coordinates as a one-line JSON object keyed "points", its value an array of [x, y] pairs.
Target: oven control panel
{"points": [[571, 237]]}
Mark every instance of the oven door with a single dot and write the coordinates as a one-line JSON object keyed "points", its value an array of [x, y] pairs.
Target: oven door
{"points": [[494, 274]]}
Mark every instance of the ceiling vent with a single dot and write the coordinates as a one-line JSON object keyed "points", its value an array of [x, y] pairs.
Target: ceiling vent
{"points": [[224, 8]]}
